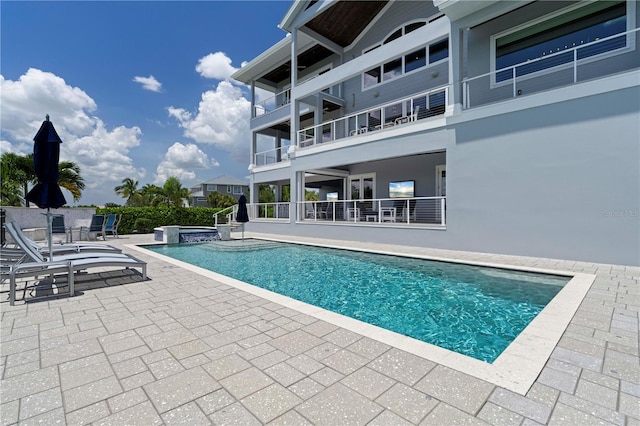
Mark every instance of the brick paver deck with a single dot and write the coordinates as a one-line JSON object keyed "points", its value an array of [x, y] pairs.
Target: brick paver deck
{"points": [[182, 348]]}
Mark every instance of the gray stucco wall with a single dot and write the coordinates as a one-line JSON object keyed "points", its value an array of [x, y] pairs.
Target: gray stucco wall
{"points": [[559, 181], [36, 218]]}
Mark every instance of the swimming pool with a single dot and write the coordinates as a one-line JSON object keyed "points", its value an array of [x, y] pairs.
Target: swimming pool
{"points": [[475, 311]]}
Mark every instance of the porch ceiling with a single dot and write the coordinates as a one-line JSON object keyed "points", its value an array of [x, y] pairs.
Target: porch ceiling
{"points": [[344, 21], [341, 24], [307, 58]]}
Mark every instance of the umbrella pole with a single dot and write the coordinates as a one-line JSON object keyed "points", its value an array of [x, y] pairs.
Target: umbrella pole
{"points": [[50, 232]]}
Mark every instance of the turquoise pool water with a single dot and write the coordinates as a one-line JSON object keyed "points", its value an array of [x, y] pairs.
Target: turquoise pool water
{"points": [[472, 310]]}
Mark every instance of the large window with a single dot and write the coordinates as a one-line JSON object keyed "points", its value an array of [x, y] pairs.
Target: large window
{"points": [[545, 41]]}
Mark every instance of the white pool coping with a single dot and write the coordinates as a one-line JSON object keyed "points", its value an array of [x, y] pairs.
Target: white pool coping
{"points": [[516, 369]]}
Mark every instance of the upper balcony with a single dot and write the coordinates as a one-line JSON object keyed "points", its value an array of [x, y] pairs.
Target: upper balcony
{"points": [[402, 111], [598, 59]]}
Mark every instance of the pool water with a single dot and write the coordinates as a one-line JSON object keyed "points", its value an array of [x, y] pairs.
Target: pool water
{"points": [[476, 311]]}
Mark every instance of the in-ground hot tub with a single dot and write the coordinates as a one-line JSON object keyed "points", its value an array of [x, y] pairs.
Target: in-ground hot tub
{"points": [[186, 234]]}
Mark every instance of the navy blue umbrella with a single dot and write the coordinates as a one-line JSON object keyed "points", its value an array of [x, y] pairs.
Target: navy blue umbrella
{"points": [[46, 155], [243, 215]]}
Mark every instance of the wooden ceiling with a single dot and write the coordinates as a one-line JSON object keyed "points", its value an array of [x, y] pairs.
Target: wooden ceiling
{"points": [[309, 57], [341, 23], [344, 21]]}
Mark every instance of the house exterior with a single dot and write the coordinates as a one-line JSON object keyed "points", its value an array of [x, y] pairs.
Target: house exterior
{"points": [[224, 184], [505, 127]]}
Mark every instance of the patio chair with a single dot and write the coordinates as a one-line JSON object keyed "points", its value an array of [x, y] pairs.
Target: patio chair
{"points": [[96, 227], [58, 249], [36, 265], [58, 227], [111, 224]]}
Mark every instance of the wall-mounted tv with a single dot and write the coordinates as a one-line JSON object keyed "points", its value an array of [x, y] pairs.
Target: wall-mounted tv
{"points": [[403, 189]]}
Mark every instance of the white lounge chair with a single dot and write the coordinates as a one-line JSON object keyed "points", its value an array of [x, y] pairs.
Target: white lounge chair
{"points": [[58, 249], [34, 263]]}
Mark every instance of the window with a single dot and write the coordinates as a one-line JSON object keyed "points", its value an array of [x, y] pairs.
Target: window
{"points": [[415, 60], [545, 41], [439, 51], [372, 77], [211, 188], [229, 188], [398, 67], [237, 189], [392, 69]]}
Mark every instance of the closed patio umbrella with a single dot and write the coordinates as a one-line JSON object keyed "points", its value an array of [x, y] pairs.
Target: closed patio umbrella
{"points": [[46, 155], [243, 215]]}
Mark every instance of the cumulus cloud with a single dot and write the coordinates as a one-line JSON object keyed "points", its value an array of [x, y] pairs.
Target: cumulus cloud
{"points": [[149, 83], [101, 153], [215, 65], [180, 161], [222, 120]]}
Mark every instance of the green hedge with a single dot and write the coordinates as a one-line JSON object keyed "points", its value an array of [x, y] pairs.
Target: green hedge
{"points": [[163, 216]]}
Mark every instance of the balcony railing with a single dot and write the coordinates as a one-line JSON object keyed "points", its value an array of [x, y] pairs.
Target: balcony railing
{"points": [[276, 101], [268, 210], [570, 66], [389, 211], [271, 156], [402, 111]]}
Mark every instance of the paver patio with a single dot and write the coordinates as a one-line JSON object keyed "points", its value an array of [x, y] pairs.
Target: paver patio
{"points": [[182, 348]]}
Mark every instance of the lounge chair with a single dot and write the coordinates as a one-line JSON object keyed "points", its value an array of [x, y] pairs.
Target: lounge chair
{"points": [[96, 227], [34, 263], [58, 227], [59, 249], [111, 224]]}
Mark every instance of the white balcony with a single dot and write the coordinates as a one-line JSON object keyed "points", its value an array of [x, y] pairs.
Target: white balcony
{"points": [[398, 112], [589, 61]]}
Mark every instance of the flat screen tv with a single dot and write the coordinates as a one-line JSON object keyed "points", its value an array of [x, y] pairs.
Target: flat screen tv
{"points": [[403, 189]]}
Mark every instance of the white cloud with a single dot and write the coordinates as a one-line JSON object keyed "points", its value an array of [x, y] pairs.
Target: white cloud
{"points": [[215, 65], [222, 120], [101, 153], [149, 83], [181, 161]]}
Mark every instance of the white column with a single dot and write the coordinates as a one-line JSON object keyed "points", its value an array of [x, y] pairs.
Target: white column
{"points": [[454, 105]]}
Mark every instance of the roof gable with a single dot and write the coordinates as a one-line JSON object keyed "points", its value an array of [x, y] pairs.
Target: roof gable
{"points": [[225, 180]]}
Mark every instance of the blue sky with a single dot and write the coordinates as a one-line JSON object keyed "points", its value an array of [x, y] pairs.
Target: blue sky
{"points": [[135, 89]]}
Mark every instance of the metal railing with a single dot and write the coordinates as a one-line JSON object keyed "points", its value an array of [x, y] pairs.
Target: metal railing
{"points": [[401, 111], [564, 68], [389, 211], [278, 100], [271, 156], [229, 213], [268, 210]]}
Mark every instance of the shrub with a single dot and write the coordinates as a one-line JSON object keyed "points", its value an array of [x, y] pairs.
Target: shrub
{"points": [[161, 216], [142, 225]]}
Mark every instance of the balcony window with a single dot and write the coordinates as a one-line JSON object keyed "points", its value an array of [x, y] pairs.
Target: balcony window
{"points": [[392, 69], [395, 35], [439, 51], [415, 60], [372, 77], [398, 67], [558, 33]]}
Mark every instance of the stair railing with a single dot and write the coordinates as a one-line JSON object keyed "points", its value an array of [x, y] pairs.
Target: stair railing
{"points": [[229, 214]]}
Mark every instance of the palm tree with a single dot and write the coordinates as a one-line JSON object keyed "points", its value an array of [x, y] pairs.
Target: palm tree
{"points": [[10, 189], [69, 178], [150, 195], [19, 172], [128, 190], [174, 192]]}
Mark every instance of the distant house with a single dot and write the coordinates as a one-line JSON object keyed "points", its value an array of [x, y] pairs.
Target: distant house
{"points": [[224, 184]]}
